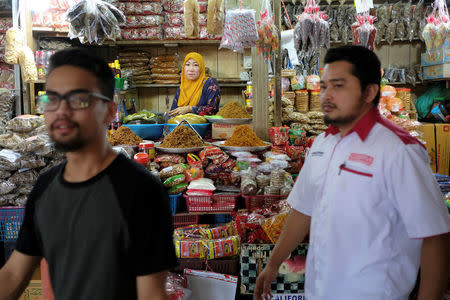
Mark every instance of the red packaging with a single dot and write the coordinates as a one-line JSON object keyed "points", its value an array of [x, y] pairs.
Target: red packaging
{"points": [[295, 152], [229, 164], [295, 166], [210, 152], [193, 160], [278, 149], [220, 159], [173, 158], [279, 135], [194, 173]]}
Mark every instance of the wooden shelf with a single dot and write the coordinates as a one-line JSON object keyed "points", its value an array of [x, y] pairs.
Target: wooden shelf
{"points": [[167, 43], [222, 85], [403, 83], [50, 32]]}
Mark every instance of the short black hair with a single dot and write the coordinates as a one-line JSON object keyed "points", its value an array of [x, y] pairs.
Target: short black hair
{"points": [[85, 59], [366, 65]]}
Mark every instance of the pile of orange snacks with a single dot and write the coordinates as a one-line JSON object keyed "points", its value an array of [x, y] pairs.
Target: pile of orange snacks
{"points": [[244, 136]]}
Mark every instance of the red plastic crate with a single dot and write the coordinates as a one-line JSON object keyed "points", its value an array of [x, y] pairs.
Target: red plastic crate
{"points": [[262, 201], [214, 203], [181, 220]]}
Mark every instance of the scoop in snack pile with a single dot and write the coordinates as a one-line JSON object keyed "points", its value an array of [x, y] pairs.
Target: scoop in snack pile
{"points": [[124, 136], [244, 136], [182, 137], [233, 110]]}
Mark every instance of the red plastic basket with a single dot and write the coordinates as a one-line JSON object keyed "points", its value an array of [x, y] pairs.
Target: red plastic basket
{"points": [[181, 220], [214, 203], [262, 201]]}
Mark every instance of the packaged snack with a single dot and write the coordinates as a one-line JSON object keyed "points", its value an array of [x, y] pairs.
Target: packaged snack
{"points": [[177, 189], [24, 189], [194, 173], [279, 135], [22, 177], [190, 248], [220, 159], [239, 30], [202, 184], [31, 161], [173, 170], [189, 232], [199, 193], [295, 152], [222, 247], [9, 160], [297, 137], [212, 171], [175, 158], [8, 199], [210, 152], [6, 187], [4, 174], [24, 123], [240, 154], [217, 232], [248, 186], [273, 226], [294, 167], [10, 140], [229, 164], [174, 180]]}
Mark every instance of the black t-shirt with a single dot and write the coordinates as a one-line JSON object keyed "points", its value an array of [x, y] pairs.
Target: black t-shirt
{"points": [[98, 235]]}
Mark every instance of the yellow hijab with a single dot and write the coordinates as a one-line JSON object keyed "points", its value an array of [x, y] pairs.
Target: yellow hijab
{"points": [[191, 91]]}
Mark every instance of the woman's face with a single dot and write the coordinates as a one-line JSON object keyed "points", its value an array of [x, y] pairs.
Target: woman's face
{"points": [[192, 69]]}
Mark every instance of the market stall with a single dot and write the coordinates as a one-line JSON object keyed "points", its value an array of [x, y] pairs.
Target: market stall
{"points": [[227, 173]]}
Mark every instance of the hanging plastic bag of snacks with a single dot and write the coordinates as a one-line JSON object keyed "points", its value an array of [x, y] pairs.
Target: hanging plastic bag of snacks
{"points": [[268, 41], [240, 30]]}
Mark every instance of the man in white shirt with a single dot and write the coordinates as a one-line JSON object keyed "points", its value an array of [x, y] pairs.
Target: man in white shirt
{"points": [[367, 195]]}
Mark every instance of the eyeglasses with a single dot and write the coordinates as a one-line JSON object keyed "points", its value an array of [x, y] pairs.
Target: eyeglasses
{"points": [[76, 100]]}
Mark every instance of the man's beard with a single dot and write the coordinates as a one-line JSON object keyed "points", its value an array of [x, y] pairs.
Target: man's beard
{"points": [[344, 119], [68, 146]]}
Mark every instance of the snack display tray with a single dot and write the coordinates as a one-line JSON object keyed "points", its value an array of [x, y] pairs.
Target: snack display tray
{"points": [[249, 149], [229, 121], [179, 150]]}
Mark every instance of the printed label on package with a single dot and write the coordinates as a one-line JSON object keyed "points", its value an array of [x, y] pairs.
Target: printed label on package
{"points": [[288, 297]]}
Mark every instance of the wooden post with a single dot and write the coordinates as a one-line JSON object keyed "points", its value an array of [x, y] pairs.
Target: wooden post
{"points": [[278, 61], [260, 88]]}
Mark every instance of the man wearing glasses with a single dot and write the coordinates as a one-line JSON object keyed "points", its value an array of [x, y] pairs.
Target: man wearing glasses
{"points": [[102, 222]]}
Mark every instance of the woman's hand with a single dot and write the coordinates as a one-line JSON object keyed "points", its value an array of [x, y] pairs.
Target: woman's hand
{"points": [[180, 111]]}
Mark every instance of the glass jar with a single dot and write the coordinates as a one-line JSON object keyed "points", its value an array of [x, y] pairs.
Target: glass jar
{"points": [[149, 148]]}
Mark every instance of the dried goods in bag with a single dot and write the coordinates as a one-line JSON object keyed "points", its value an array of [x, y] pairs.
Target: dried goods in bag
{"points": [[191, 11], [239, 30], [9, 160], [14, 42], [24, 123], [24, 176], [93, 21], [9, 140], [216, 16], [6, 187]]}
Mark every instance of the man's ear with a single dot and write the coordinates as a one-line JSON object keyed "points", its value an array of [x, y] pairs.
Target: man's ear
{"points": [[111, 112], [370, 92]]}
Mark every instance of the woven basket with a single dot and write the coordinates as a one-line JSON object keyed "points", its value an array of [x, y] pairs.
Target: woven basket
{"points": [[314, 101], [301, 101]]}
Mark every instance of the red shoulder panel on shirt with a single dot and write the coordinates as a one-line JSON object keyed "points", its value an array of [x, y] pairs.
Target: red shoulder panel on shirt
{"points": [[403, 135]]}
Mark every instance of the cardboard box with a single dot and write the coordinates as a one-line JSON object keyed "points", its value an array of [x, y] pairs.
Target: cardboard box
{"points": [[222, 131], [430, 139], [443, 148], [33, 291], [436, 56], [253, 259], [436, 71]]}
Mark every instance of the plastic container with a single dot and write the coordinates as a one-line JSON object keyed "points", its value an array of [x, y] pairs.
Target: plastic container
{"points": [[142, 158], [175, 202], [214, 203], [222, 218], [11, 218], [314, 101], [149, 148], [202, 129], [147, 131], [262, 201], [181, 220]]}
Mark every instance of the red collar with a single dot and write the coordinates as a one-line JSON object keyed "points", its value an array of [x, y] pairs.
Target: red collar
{"points": [[362, 128]]}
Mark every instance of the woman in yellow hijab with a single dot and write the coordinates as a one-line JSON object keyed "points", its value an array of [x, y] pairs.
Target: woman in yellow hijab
{"points": [[198, 93]]}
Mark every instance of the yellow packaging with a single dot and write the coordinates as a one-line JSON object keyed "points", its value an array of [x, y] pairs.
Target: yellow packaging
{"points": [[272, 226], [217, 232], [443, 148], [430, 143], [222, 248], [190, 248]]}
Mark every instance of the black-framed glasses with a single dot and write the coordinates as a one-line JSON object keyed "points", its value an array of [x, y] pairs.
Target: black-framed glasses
{"points": [[77, 99]]}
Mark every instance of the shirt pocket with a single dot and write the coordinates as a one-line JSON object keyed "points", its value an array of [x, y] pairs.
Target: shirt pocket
{"points": [[355, 171]]}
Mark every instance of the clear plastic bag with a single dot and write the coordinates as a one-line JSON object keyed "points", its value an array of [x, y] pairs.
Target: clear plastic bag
{"points": [[24, 176], [9, 140], [215, 17], [9, 160], [8, 199], [267, 31], [24, 123], [93, 21], [14, 42], [191, 12], [239, 30], [6, 187], [31, 161]]}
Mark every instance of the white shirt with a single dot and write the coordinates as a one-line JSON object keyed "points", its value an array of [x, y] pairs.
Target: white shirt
{"points": [[372, 198]]}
